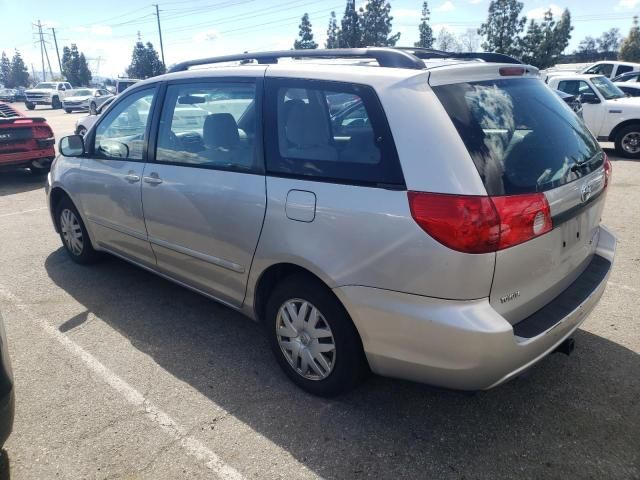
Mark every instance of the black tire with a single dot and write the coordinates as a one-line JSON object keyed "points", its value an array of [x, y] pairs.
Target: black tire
{"points": [[68, 110], [86, 255], [38, 172], [93, 110], [629, 129], [56, 103], [81, 131], [30, 106], [349, 363]]}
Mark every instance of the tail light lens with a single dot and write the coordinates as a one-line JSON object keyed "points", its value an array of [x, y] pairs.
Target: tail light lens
{"points": [[42, 131], [479, 224], [607, 170]]}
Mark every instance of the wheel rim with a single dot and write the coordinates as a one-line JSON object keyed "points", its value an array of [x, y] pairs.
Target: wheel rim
{"points": [[631, 142], [71, 231], [82, 131], [306, 339]]}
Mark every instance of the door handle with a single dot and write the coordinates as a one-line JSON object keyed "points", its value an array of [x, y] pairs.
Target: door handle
{"points": [[131, 177], [152, 179]]}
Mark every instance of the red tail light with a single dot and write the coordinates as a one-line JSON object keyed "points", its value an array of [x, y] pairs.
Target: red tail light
{"points": [[607, 170], [478, 224], [42, 131]]}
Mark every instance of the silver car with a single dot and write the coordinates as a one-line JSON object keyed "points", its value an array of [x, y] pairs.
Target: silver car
{"points": [[427, 218], [87, 99]]}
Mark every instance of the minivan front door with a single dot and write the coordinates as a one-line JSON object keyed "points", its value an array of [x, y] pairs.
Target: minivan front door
{"points": [[204, 195], [110, 195]]}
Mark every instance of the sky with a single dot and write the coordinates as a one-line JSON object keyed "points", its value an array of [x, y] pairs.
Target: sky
{"points": [[107, 32]]}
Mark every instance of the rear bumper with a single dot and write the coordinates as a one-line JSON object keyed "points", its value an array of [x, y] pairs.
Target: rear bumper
{"points": [[464, 345], [25, 159]]}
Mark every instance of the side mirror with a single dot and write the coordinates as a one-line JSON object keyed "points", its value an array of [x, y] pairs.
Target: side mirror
{"points": [[589, 98], [62, 88], [71, 146], [97, 94]]}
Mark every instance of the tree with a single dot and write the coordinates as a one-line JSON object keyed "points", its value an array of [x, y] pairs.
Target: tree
{"points": [[426, 33], [333, 33], [305, 41], [145, 62], [19, 72], [350, 31], [609, 41], [447, 41], [5, 70], [74, 66], [469, 40], [503, 26], [544, 42], [630, 48], [375, 24]]}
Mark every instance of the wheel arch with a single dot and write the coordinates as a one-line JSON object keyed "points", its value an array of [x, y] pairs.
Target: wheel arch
{"points": [[620, 126]]}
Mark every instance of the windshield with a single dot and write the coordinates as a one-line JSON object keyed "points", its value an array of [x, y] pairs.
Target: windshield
{"points": [[47, 85], [520, 135], [607, 89], [84, 92]]}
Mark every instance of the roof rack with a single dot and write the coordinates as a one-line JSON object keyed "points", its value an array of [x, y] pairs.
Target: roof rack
{"points": [[429, 53], [386, 57], [396, 57]]}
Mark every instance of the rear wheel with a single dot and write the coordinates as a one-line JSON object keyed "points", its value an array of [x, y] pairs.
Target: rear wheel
{"points": [[30, 106], [628, 141], [68, 110], [74, 234], [313, 337]]}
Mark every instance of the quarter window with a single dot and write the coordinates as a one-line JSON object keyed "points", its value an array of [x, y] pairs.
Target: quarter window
{"points": [[329, 131], [121, 135], [209, 125]]}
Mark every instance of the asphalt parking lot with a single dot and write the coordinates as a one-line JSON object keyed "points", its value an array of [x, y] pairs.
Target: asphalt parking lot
{"points": [[120, 374]]}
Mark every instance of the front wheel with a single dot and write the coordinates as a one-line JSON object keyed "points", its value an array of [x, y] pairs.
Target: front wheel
{"points": [[93, 110], [81, 131], [313, 338], [56, 103], [73, 233], [628, 141], [30, 106], [68, 110]]}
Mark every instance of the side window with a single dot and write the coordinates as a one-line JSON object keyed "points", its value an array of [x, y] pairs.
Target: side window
{"points": [[67, 86], [329, 131], [601, 69], [209, 124], [623, 69], [575, 87], [122, 133]]}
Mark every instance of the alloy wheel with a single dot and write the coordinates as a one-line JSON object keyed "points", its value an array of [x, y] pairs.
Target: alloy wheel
{"points": [[631, 142], [71, 232]]}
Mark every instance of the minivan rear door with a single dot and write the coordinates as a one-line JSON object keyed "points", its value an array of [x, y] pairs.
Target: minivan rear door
{"points": [[524, 140]]}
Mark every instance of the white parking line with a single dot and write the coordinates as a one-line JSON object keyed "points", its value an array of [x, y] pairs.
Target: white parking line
{"points": [[22, 211], [191, 445]]}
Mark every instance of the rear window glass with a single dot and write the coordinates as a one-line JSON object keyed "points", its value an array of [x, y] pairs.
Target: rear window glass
{"points": [[520, 135]]}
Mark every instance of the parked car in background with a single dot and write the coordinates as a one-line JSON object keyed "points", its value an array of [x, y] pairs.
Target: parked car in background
{"points": [[611, 69], [607, 111], [47, 93], [86, 99], [8, 95], [25, 142], [629, 83], [438, 221], [7, 398], [85, 123], [123, 83]]}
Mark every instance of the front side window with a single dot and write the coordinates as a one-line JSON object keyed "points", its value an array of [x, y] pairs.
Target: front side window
{"points": [[209, 125], [121, 135], [576, 87], [329, 131]]}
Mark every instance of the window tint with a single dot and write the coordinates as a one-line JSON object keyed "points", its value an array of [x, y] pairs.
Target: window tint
{"points": [[210, 125], [520, 135], [329, 131], [602, 69], [632, 92], [121, 134], [575, 87], [623, 69]]}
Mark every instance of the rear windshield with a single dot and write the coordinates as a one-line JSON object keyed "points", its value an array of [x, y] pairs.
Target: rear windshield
{"points": [[521, 136]]}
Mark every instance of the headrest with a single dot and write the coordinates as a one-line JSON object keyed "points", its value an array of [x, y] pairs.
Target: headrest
{"points": [[220, 131]]}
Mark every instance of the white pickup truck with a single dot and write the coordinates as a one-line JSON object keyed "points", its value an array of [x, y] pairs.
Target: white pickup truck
{"points": [[47, 93], [608, 113]]}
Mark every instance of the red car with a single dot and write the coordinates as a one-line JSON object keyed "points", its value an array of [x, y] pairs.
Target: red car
{"points": [[25, 142]]}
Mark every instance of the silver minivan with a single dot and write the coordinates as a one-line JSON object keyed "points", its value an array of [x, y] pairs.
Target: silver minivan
{"points": [[422, 215]]}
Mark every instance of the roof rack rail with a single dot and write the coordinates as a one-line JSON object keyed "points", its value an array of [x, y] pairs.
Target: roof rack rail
{"points": [[386, 57], [492, 57]]}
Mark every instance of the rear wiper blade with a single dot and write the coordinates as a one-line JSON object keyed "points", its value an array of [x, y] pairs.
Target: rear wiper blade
{"points": [[578, 165]]}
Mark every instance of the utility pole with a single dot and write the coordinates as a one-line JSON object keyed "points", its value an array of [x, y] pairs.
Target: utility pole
{"points": [[55, 41], [39, 25], [160, 33], [48, 62]]}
